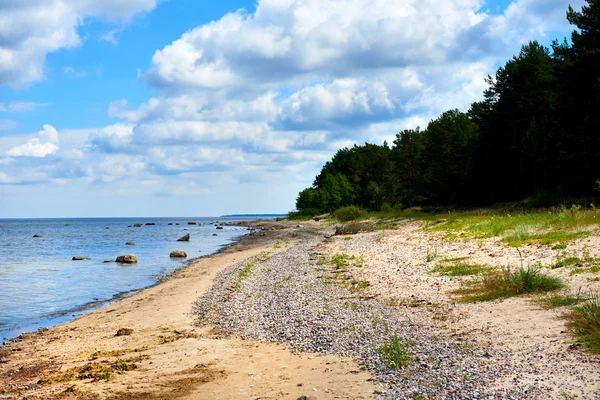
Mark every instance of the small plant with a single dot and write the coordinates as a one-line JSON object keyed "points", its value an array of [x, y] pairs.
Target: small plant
{"points": [[380, 236], [462, 269], [394, 354], [432, 254], [563, 300], [584, 322], [277, 245], [509, 284]]}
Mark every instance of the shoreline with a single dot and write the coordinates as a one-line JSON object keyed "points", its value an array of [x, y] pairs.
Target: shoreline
{"points": [[166, 350], [62, 316]]}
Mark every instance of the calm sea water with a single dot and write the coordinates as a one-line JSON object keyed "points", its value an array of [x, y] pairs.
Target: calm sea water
{"points": [[41, 286]]}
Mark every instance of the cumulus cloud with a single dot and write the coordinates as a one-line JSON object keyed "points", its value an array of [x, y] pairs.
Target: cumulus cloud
{"points": [[45, 144], [30, 29]]}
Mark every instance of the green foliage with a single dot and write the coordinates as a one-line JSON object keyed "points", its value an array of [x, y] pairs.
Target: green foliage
{"points": [[432, 254], [350, 213], [563, 300], [394, 354], [509, 284], [461, 269], [584, 321]]}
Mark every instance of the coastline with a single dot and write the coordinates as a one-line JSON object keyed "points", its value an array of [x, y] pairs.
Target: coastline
{"points": [[298, 312], [169, 355]]}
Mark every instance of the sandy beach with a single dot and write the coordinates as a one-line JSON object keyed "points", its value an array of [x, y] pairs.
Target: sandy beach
{"points": [[273, 318]]}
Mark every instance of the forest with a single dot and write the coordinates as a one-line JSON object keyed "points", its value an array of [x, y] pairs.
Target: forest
{"points": [[534, 138]]}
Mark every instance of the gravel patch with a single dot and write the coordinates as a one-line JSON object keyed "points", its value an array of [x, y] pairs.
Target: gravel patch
{"points": [[295, 299]]}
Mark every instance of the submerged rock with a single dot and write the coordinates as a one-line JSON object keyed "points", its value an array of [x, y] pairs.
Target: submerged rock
{"points": [[170, 223], [137, 225], [178, 254], [80, 258], [184, 238], [37, 235], [130, 243], [127, 259], [109, 261]]}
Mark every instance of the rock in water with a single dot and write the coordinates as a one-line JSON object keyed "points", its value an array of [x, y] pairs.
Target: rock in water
{"points": [[37, 235], [130, 243], [191, 223], [178, 254], [219, 227], [127, 259], [137, 225], [185, 238], [170, 223], [108, 261], [150, 223], [80, 258]]}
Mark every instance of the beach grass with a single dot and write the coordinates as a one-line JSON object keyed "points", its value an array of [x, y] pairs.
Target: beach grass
{"points": [[461, 268], [508, 283], [584, 322], [515, 227]]}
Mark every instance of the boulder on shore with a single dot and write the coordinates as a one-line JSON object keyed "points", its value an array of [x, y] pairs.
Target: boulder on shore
{"points": [[80, 258], [130, 243], [37, 235], [178, 254], [127, 259], [184, 238]]}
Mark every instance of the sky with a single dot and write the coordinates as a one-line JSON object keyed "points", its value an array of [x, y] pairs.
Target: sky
{"points": [[202, 108]]}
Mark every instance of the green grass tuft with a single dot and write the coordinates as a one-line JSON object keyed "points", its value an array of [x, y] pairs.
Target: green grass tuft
{"points": [[509, 284], [462, 269], [584, 322], [563, 300]]}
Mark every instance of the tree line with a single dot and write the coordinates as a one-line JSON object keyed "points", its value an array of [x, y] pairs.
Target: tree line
{"points": [[535, 136]]}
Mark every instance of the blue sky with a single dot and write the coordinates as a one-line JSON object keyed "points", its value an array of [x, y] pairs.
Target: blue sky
{"points": [[182, 107]]}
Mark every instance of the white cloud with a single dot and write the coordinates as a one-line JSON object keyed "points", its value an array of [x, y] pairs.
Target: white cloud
{"points": [[17, 106], [31, 29], [45, 144]]}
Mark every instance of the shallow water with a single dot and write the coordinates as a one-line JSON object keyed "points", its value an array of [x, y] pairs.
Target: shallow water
{"points": [[40, 285]]}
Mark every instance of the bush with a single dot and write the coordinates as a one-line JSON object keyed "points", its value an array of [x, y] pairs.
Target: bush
{"points": [[303, 215], [386, 208], [349, 213]]}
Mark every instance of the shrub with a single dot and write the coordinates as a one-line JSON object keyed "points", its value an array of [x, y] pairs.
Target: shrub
{"points": [[349, 213]]}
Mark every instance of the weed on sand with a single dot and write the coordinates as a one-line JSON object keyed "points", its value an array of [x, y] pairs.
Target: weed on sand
{"points": [[584, 322], [508, 284], [563, 299], [461, 268], [394, 354]]}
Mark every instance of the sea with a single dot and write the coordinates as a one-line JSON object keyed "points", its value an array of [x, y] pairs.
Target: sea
{"points": [[40, 284]]}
